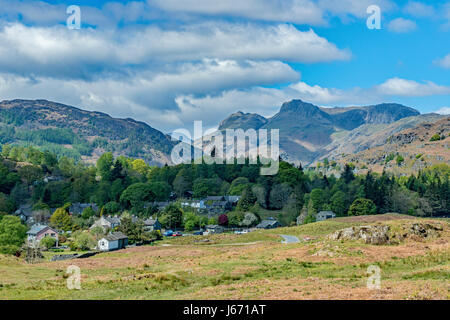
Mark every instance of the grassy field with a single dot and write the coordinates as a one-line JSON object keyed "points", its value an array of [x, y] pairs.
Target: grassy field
{"points": [[252, 266]]}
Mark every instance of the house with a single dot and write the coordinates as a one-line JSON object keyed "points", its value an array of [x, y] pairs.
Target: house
{"points": [[78, 208], [152, 225], [52, 179], [113, 241], [210, 229], [269, 223], [106, 223], [25, 213], [232, 199], [324, 215], [38, 232], [199, 204]]}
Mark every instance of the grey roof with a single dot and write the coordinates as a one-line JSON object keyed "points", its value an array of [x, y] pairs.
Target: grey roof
{"points": [[267, 223], [115, 236], [78, 208], [326, 213], [214, 198], [112, 220], [26, 210], [213, 226], [35, 229]]}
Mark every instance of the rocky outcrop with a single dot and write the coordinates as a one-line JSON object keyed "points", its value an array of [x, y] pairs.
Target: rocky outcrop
{"points": [[383, 234], [369, 234]]}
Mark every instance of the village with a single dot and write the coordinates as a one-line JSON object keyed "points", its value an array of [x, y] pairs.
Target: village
{"points": [[109, 236]]}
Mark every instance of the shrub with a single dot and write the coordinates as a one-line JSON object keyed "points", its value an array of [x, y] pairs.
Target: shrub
{"points": [[362, 206]]}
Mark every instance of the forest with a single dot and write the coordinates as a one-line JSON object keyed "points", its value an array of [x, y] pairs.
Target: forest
{"points": [[121, 183]]}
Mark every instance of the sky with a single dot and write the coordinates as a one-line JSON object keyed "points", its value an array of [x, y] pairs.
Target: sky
{"points": [[171, 62]]}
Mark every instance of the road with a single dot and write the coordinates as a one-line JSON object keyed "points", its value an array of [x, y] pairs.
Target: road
{"points": [[289, 239]]}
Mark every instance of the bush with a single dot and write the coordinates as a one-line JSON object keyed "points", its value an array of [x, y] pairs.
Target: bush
{"points": [[435, 137], [362, 206], [48, 242]]}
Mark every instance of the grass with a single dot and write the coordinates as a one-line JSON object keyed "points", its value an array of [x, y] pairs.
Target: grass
{"points": [[263, 269]]}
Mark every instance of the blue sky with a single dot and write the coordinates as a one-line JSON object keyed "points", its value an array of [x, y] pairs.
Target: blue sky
{"points": [[170, 62]]}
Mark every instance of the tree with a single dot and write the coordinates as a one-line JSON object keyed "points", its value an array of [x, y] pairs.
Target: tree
{"points": [[161, 190], [235, 218], [12, 234], [136, 195], [362, 206], [82, 241], [318, 199], [247, 200], [347, 174], [104, 166], [172, 216], [223, 220], [87, 213], [339, 203], [61, 219], [279, 195], [134, 230], [182, 183], [48, 242], [250, 219]]}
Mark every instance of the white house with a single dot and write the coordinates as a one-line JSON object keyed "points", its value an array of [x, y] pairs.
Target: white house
{"points": [[113, 241]]}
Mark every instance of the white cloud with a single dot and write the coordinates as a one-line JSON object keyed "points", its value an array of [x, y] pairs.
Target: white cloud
{"points": [[83, 53], [444, 62], [401, 25], [410, 88], [296, 11], [419, 9], [146, 96], [443, 110], [356, 8]]}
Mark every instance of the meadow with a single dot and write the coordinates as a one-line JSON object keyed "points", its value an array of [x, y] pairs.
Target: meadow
{"points": [[251, 266]]}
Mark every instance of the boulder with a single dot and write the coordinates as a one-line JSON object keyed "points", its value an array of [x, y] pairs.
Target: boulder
{"points": [[369, 234]]}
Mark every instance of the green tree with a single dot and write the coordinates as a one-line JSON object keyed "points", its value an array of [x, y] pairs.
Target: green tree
{"points": [[247, 200], [104, 166], [61, 218], [136, 195], [339, 203], [12, 234], [172, 216], [318, 199], [362, 206], [87, 213], [48, 242]]}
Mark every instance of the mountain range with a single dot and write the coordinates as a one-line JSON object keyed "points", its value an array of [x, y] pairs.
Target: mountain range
{"points": [[79, 133], [308, 133]]}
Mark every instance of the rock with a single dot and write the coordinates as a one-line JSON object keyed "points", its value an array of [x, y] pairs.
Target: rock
{"points": [[370, 234], [425, 230]]}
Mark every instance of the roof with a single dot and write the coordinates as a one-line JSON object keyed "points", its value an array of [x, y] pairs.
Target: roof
{"points": [[213, 226], [326, 213], [112, 220], [35, 229], [26, 210], [267, 223], [78, 208], [214, 198], [115, 236]]}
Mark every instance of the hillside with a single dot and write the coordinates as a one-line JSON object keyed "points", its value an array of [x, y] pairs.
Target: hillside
{"points": [[253, 266], [309, 133], [80, 134], [420, 146]]}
